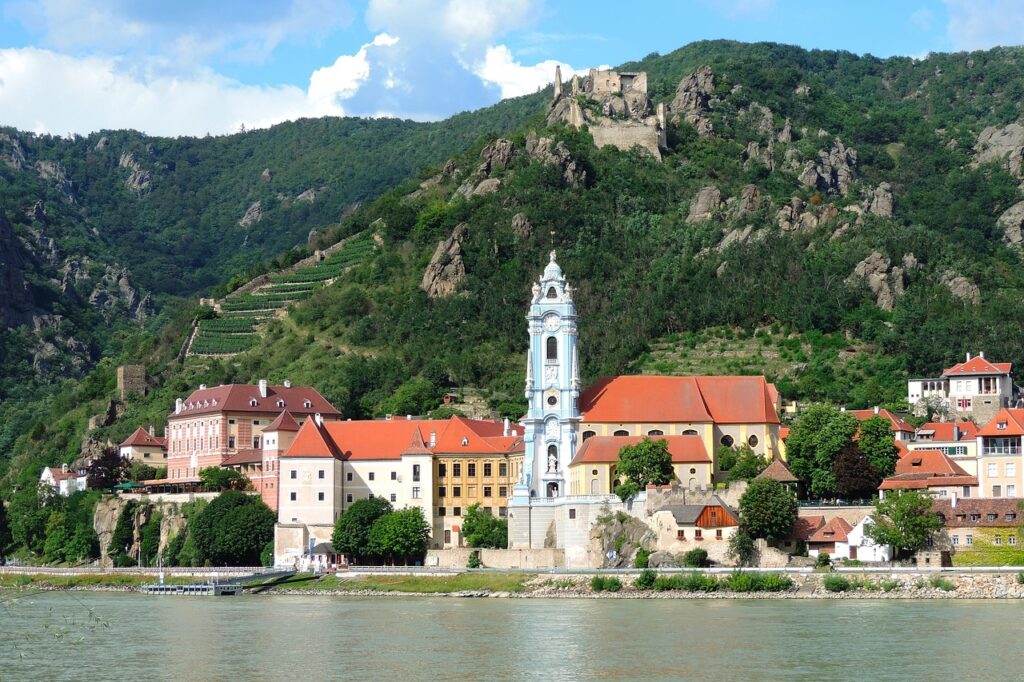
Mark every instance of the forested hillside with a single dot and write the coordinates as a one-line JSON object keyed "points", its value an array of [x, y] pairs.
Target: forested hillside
{"points": [[850, 219]]}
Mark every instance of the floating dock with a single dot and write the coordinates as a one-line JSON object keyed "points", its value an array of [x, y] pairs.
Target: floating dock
{"points": [[231, 587]]}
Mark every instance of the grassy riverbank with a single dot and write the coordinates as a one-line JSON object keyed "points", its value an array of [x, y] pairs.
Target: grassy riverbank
{"points": [[461, 582], [97, 581]]}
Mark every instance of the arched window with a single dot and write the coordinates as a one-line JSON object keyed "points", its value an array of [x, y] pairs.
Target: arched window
{"points": [[552, 458], [552, 293], [552, 350], [655, 432], [621, 432], [588, 434], [690, 432], [727, 441]]}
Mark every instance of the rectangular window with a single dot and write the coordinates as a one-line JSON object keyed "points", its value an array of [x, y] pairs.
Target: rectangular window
{"points": [[415, 473], [487, 492], [998, 539], [503, 512], [256, 422], [394, 475], [970, 539], [231, 421], [1011, 469], [231, 442], [698, 534], [487, 469], [456, 491], [1012, 539], [394, 497], [348, 476], [718, 534], [348, 498], [320, 474], [992, 469], [456, 469], [442, 469], [294, 474], [320, 496], [503, 469], [1011, 491], [440, 491], [293, 497], [447, 536], [997, 491], [680, 535], [502, 491], [572, 513], [370, 496], [456, 511], [440, 511], [370, 475], [956, 540], [415, 493], [255, 442], [471, 469]]}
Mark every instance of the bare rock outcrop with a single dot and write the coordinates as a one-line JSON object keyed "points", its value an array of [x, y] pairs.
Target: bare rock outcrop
{"points": [[15, 297], [53, 172], [308, 196], [486, 186], [102, 143], [762, 155], [802, 90], [37, 212], [139, 179], [786, 134], [693, 100], [253, 215], [266, 176], [880, 202], [884, 281], [1012, 223], [761, 117], [115, 290], [12, 153], [833, 172], [546, 150], [750, 200], [446, 269], [497, 155], [961, 287], [1004, 145], [707, 202], [521, 226]]}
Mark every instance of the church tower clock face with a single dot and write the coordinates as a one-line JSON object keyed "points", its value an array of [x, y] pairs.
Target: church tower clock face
{"points": [[552, 322]]}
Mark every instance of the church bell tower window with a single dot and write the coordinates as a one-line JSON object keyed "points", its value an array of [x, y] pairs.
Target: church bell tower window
{"points": [[552, 348]]}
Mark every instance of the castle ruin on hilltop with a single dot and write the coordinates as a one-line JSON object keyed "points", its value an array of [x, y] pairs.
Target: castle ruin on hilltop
{"points": [[615, 108]]}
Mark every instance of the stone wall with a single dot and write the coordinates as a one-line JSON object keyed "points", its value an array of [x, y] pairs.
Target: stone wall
{"points": [[851, 514], [131, 379], [626, 136], [458, 557]]}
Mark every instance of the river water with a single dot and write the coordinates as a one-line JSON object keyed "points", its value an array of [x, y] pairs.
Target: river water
{"points": [[101, 636]]}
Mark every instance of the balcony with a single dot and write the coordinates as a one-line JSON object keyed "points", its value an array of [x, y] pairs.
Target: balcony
{"points": [[996, 450]]}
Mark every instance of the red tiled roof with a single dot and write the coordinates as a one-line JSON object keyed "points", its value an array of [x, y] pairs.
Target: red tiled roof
{"points": [[672, 399], [978, 365], [59, 474], [943, 431], [898, 423], [921, 469], [247, 456], [142, 438], [683, 449], [836, 530], [1007, 422], [901, 449], [778, 471], [284, 422], [312, 441], [804, 527], [981, 507], [239, 398], [480, 437]]}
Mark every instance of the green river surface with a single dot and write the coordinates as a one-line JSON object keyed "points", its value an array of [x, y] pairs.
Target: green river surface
{"points": [[116, 636]]}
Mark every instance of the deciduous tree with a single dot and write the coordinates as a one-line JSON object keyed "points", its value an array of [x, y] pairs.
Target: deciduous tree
{"points": [[815, 441], [482, 529], [854, 474], [904, 520], [767, 509], [647, 462], [747, 466], [351, 535], [878, 445], [400, 536], [107, 469]]}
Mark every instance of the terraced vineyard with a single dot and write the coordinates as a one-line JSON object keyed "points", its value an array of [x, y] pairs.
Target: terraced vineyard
{"points": [[237, 326]]}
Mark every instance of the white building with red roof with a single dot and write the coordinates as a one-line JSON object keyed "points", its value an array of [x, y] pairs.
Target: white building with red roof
{"points": [[64, 479], [146, 447], [228, 424], [974, 389], [1000, 444], [902, 431], [932, 472], [957, 440]]}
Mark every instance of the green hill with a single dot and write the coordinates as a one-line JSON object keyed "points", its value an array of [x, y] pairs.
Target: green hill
{"points": [[839, 203]]}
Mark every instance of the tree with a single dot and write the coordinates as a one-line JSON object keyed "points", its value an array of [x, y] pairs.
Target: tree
{"points": [[5, 531], [107, 469], [242, 534], [904, 520], [203, 528], [727, 457], [217, 478], [351, 535], [482, 529], [854, 474], [28, 516], [747, 466], [647, 462], [741, 547], [140, 471], [814, 442], [877, 442], [400, 536], [767, 509]]}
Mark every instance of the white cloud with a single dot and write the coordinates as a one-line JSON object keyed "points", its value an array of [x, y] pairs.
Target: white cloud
{"points": [[343, 79], [981, 24], [515, 79]]}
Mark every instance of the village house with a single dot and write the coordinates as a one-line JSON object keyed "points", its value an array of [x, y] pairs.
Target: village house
{"points": [[974, 389], [226, 424], [902, 431], [999, 454], [980, 532], [594, 470], [778, 471], [439, 466], [64, 479], [684, 527], [957, 440], [146, 447], [933, 472]]}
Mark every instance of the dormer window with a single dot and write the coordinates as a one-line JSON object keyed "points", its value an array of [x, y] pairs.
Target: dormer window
{"points": [[1001, 425], [280, 403], [252, 402], [465, 441], [307, 403], [552, 293]]}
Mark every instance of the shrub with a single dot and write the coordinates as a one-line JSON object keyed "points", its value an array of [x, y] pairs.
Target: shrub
{"points": [[1020, 578], [696, 558], [612, 584], [597, 583], [776, 582], [642, 558], [837, 583], [267, 555], [697, 582], [664, 583], [474, 560], [890, 585], [645, 580], [941, 583], [823, 560], [852, 562], [742, 582]]}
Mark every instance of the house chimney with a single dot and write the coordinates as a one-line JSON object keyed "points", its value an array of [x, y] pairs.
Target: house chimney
{"points": [[876, 409], [177, 406], [64, 468], [968, 357], [287, 383], [263, 388], [318, 420], [202, 387], [842, 409], [981, 355], [433, 438], [152, 430], [504, 430], [408, 417], [956, 433]]}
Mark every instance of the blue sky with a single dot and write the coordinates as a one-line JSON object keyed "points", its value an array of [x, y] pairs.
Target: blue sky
{"points": [[195, 66]]}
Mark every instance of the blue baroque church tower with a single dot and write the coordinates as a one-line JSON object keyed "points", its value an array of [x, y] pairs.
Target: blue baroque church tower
{"points": [[552, 389]]}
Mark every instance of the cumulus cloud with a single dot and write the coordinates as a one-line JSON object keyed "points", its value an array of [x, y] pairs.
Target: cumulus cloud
{"points": [[981, 24], [514, 78]]}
